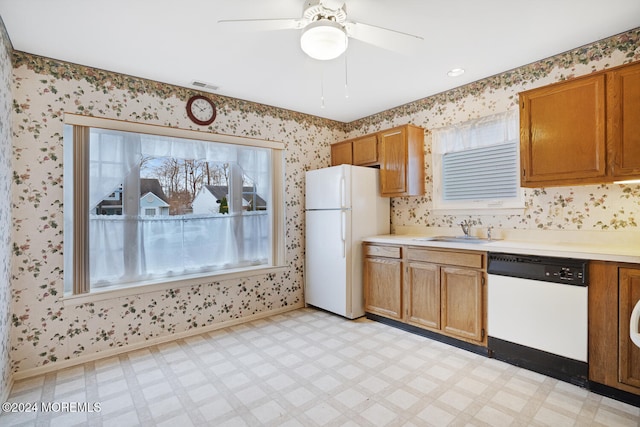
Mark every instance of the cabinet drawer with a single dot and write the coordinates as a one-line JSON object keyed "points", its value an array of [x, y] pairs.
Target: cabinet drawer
{"points": [[462, 259], [383, 251]]}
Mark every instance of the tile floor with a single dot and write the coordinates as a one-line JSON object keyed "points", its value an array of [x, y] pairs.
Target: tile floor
{"points": [[311, 368]]}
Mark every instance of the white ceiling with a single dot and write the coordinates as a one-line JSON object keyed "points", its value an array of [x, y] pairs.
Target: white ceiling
{"points": [[180, 41]]}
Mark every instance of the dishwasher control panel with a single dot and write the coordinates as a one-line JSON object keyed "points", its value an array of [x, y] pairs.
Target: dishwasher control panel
{"points": [[564, 274], [569, 271]]}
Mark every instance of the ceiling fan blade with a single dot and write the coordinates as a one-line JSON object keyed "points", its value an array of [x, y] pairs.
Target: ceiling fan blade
{"points": [[263, 24], [385, 38]]}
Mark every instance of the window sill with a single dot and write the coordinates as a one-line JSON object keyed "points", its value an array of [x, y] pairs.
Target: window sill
{"points": [[479, 211], [164, 284]]}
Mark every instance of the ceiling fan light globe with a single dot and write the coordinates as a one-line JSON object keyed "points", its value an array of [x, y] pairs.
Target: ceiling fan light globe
{"points": [[324, 40]]}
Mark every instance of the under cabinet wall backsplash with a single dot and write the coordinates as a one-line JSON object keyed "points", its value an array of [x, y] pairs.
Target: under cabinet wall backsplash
{"points": [[45, 331]]}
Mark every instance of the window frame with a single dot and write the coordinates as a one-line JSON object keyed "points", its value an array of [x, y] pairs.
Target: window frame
{"points": [[78, 239]]}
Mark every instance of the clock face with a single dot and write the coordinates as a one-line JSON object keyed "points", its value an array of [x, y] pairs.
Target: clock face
{"points": [[201, 110]]}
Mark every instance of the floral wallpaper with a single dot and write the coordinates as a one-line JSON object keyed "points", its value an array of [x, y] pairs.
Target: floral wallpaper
{"points": [[5, 213], [590, 207], [45, 331]]}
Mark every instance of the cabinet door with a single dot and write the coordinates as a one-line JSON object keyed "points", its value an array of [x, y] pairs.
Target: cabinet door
{"points": [[422, 295], [365, 150], [383, 287], [341, 153], [562, 133], [393, 165], [462, 302], [623, 125], [629, 354]]}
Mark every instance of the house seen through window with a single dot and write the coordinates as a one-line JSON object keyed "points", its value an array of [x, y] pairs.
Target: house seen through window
{"points": [[161, 207]]}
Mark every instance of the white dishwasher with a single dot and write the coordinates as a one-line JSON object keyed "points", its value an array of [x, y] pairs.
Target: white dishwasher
{"points": [[538, 314]]}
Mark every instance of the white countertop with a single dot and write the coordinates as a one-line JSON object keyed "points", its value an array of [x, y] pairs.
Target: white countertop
{"points": [[604, 246]]}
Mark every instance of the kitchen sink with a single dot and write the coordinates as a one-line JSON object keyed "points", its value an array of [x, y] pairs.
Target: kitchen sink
{"points": [[455, 239]]}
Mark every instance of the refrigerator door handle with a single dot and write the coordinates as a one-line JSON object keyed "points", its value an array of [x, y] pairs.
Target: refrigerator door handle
{"points": [[343, 195], [343, 232], [633, 325]]}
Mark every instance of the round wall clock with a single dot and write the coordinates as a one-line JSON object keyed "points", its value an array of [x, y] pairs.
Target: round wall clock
{"points": [[201, 110]]}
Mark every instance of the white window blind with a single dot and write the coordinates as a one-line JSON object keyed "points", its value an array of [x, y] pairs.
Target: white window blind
{"points": [[476, 164], [481, 173]]}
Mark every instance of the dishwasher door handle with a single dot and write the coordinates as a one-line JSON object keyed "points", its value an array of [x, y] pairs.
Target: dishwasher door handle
{"points": [[634, 334]]}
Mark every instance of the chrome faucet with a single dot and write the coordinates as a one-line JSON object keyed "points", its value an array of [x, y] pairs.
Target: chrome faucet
{"points": [[466, 226]]}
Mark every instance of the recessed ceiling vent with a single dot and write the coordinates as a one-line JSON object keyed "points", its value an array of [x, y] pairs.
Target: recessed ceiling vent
{"points": [[205, 86]]}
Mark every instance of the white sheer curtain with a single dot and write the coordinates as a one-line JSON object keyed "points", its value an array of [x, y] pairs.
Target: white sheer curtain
{"points": [[167, 246], [482, 132], [112, 155]]}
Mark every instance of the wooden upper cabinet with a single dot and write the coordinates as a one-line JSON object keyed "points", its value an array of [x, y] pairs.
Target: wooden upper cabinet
{"points": [[582, 131], [341, 153], [365, 150], [399, 152], [623, 124], [402, 161], [562, 133]]}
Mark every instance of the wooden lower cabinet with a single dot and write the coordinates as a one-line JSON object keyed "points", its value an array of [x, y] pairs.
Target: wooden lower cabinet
{"points": [[422, 294], [440, 290], [462, 302], [629, 353], [614, 360], [382, 281]]}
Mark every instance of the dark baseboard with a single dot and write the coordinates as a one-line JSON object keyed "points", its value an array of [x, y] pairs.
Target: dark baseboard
{"points": [[614, 393], [552, 365], [478, 349]]}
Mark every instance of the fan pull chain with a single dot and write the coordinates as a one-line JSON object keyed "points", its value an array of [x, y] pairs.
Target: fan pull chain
{"points": [[322, 87], [346, 77]]}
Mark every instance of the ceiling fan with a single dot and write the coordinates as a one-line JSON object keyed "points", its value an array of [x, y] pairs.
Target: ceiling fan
{"points": [[326, 30]]}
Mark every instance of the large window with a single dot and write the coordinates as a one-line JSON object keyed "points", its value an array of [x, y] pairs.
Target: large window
{"points": [[146, 204], [476, 164]]}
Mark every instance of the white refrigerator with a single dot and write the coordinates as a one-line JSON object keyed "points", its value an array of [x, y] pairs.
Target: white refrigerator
{"points": [[343, 205]]}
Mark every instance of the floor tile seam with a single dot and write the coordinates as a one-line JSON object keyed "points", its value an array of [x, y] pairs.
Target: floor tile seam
{"points": [[135, 389], [412, 411], [558, 407], [248, 412], [358, 418], [92, 392], [49, 387], [424, 398], [278, 370], [306, 419], [177, 389], [514, 414], [109, 378], [23, 394], [104, 385], [619, 413], [11, 419]]}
